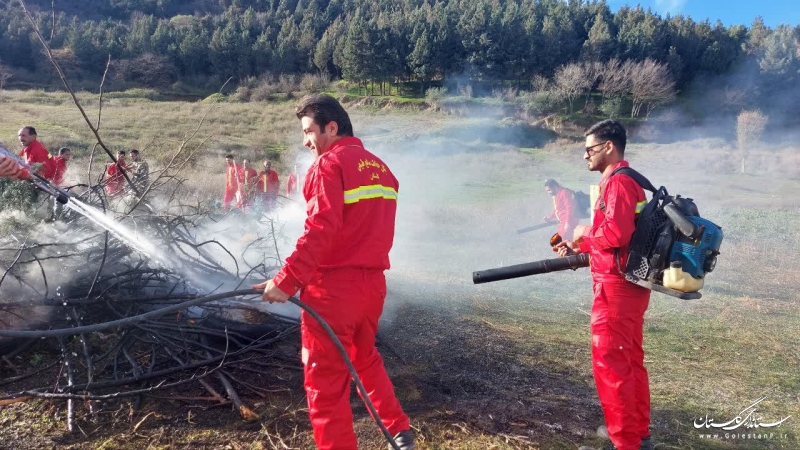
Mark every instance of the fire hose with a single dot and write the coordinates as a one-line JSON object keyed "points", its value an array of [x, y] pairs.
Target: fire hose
{"points": [[202, 300]]}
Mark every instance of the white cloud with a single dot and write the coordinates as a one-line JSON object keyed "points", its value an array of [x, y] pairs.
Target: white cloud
{"points": [[672, 7]]}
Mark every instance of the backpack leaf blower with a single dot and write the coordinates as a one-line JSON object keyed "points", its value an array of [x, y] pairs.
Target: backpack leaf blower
{"points": [[671, 250]]}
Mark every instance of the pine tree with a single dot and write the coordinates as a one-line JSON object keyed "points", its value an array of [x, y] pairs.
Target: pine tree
{"points": [[600, 45]]}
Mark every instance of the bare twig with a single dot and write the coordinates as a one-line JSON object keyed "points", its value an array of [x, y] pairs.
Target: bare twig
{"points": [[102, 82]]}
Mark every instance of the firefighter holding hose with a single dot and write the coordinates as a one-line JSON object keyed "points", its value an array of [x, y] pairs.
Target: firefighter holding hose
{"points": [[338, 267], [617, 317]]}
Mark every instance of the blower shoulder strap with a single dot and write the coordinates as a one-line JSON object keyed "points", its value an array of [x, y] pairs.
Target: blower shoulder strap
{"points": [[639, 178]]}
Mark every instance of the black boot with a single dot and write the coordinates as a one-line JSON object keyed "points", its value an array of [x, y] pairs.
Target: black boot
{"points": [[404, 440]]}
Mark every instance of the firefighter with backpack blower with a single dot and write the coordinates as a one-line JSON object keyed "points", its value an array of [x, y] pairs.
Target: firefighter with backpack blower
{"points": [[617, 317], [568, 207], [633, 246]]}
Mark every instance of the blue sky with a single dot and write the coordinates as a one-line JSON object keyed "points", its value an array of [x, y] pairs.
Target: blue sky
{"points": [[730, 12]]}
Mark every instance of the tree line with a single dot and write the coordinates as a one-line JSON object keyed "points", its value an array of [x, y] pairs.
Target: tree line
{"points": [[156, 42]]}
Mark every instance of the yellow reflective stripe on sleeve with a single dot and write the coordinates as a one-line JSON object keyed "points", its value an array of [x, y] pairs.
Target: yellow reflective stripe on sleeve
{"points": [[640, 206], [368, 192]]}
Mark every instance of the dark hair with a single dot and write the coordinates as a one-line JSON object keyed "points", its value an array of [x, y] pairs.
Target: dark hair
{"points": [[610, 130], [134, 151], [63, 150], [324, 109], [229, 156], [121, 152], [30, 129], [550, 183]]}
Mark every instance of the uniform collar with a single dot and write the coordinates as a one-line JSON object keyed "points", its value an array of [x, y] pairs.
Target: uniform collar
{"points": [[33, 145], [616, 166], [346, 141]]}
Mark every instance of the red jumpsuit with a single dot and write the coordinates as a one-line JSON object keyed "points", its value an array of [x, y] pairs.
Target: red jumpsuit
{"points": [[116, 181], [338, 264], [231, 185], [618, 313], [267, 187], [37, 154], [565, 211], [247, 181], [60, 170], [291, 184]]}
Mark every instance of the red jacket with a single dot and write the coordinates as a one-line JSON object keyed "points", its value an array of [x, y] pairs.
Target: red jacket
{"points": [[116, 181], [621, 199], [231, 178], [565, 211], [60, 170], [291, 183], [247, 178], [268, 183], [37, 154], [351, 202]]}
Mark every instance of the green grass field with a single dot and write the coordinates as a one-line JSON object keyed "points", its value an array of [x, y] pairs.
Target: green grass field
{"points": [[498, 366]]}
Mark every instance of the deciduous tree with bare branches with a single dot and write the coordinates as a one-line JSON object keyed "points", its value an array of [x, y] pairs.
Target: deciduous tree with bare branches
{"points": [[615, 78], [571, 82], [651, 86], [749, 127]]}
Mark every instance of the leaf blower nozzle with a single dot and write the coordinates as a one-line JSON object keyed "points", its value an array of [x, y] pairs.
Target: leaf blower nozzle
{"points": [[572, 262]]}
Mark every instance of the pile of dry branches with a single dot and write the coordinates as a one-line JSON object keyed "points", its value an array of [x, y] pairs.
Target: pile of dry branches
{"points": [[121, 320]]}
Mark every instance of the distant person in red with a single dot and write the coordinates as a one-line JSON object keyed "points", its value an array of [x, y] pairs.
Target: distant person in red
{"points": [[565, 210], [247, 184], [291, 183], [268, 186], [231, 182], [115, 182], [60, 162], [33, 152]]}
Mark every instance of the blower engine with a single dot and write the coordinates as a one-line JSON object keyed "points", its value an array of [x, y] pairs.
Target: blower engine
{"points": [[671, 250]]}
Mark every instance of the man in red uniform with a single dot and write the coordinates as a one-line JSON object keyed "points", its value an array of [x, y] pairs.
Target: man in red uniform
{"points": [[116, 181], [565, 210], [291, 183], [33, 152], [231, 182], [268, 186], [338, 266], [248, 177], [618, 310]]}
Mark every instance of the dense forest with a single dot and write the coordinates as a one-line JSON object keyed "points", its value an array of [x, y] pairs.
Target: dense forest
{"points": [[158, 42]]}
